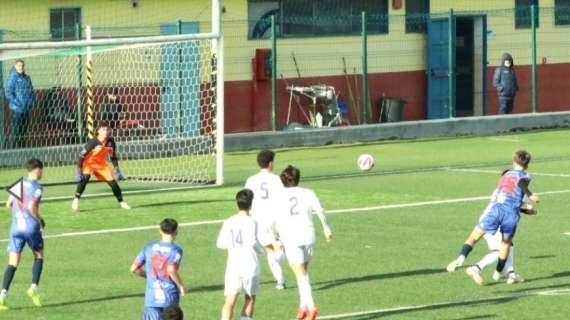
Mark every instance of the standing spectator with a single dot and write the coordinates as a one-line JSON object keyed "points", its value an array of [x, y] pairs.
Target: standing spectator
{"points": [[111, 108], [20, 95], [505, 81]]}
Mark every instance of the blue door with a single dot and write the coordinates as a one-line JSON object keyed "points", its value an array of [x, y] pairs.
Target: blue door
{"points": [[438, 69], [180, 83]]}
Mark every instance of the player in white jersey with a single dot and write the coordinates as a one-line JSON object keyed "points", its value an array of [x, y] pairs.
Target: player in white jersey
{"points": [[266, 187], [239, 237], [294, 224]]}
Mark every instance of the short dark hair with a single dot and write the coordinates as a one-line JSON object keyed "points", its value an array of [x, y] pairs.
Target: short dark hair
{"points": [[290, 176], [102, 124], [19, 61], [244, 198], [522, 158], [172, 313], [265, 157], [169, 226], [33, 164]]}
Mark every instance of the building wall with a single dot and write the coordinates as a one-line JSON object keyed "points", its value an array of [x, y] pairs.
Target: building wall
{"points": [[397, 60]]}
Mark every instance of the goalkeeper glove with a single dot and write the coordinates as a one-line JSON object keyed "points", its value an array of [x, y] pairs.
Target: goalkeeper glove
{"points": [[119, 174]]}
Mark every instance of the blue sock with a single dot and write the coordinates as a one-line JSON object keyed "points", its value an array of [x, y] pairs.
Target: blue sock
{"points": [[8, 277], [466, 250]]}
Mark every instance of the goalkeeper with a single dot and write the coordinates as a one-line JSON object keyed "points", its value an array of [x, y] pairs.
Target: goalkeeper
{"points": [[92, 161]]}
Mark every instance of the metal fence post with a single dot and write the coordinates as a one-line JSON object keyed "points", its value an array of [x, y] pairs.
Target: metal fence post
{"points": [[273, 74], [533, 17], [2, 128], [365, 97], [451, 53]]}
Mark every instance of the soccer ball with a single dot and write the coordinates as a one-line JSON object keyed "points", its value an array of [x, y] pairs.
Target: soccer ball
{"points": [[365, 162]]}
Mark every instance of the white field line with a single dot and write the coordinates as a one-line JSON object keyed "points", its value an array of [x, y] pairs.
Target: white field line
{"points": [[447, 304], [567, 233], [505, 139], [349, 210], [564, 175]]}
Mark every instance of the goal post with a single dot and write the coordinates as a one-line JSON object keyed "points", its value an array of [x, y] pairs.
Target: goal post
{"points": [[162, 95]]}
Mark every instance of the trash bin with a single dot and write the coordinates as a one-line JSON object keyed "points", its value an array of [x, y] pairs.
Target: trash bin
{"points": [[391, 109]]}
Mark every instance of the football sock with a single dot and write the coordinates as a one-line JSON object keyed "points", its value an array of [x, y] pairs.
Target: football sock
{"points": [[8, 276], [501, 265], [487, 260], [305, 292], [275, 267], [465, 250], [37, 271], [81, 187], [510, 265], [116, 190]]}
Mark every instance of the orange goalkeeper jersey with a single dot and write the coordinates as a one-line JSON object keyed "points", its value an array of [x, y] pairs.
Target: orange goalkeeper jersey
{"points": [[94, 154]]}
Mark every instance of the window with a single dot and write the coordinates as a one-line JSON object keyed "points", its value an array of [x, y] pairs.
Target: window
{"points": [[302, 18], [417, 15], [562, 12], [63, 23], [523, 13]]}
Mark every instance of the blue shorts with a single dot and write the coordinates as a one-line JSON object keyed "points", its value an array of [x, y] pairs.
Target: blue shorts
{"points": [[18, 242], [152, 313], [499, 218]]}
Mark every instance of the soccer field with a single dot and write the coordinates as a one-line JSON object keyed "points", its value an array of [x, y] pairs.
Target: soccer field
{"points": [[395, 229]]}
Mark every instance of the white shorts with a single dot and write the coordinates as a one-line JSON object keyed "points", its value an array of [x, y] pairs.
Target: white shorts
{"points": [[238, 285], [299, 255], [494, 240], [265, 235]]}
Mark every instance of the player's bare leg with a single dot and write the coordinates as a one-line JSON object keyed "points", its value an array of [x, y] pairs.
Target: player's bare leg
{"points": [[13, 262], [307, 308], [473, 238], [275, 256], [36, 274], [228, 307], [248, 307]]}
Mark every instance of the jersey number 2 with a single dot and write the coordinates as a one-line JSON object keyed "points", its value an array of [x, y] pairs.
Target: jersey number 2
{"points": [[294, 203]]}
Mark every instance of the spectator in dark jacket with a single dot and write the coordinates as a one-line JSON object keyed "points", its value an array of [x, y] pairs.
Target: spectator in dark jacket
{"points": [[20, 95], [111, 109], [505, 81]]}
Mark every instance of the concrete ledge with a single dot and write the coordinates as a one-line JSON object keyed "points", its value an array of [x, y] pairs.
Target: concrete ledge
{"points": [[399, 130]]}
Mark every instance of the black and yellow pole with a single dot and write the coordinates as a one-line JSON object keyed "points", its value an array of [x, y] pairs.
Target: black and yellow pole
{"points": [[89, 80]]}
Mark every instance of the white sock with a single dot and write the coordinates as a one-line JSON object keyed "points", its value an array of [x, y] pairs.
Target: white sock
{"points": [[4, 293], [245, 318], [275, 267], [34, 286], [489, 259], [305, 292], [510, 264], [461, 259]]}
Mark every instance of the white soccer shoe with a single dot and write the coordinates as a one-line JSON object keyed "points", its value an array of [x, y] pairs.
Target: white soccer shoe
{"points": [[514, 278], [75, 205], [499, 275], [124, 205], [455, 264], [281, 286], [475, 274]]}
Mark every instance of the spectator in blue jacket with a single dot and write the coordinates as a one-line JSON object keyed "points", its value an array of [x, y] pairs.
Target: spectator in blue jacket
{"points": [[20, 95], [505, 81]]}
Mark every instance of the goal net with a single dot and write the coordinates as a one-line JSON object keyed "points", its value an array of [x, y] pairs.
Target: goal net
{"points": [[159, 98]]}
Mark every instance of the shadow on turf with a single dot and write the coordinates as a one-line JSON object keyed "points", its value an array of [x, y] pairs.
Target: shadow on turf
{"points": [[546, 256], [553, 276], [325, 285], [184, 202]]}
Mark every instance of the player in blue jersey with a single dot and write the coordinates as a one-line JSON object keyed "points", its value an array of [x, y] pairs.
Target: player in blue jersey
{"points": [[27, 226], [161, 260], [503, 214]]}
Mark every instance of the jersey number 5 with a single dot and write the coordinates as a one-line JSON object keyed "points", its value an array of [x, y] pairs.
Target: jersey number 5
{"points": [[264, 191]]}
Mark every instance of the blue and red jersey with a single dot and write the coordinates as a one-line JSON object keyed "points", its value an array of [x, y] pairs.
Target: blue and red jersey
{"points": [[23, 223], [156, 257], [511, 190]]}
